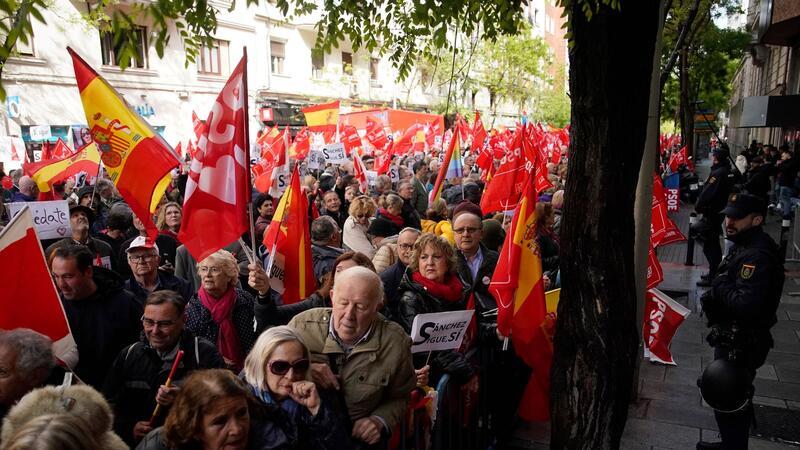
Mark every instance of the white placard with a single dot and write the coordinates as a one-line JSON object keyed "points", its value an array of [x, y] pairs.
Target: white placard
{"points": [[439, 331], [334, 153], [316, 160], [372, 175], [394, 173], [50, 218], [40, 132]]}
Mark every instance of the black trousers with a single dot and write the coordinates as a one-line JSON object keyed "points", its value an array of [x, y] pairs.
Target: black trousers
{"points": [[712, 249]]}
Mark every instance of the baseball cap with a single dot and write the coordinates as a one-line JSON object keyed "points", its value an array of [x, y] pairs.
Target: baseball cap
{"points": [[142, 242], [740, 205]]}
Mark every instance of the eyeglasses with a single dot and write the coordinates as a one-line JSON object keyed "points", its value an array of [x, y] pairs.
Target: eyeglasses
{"points": [[280, 367], [213, 270], [362, 216], [406, 246], [142, 258], [150, 323], [467, 230]]}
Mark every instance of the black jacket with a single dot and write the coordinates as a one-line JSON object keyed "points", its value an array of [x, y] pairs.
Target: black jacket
{"points": [[716, 190], [787, 172], [165, 282], [748, 285], [167, 246], [102, 325], [391, 278], [416, 300], [323, 257], [481, 282], [269, 312], [133, 381], [758, 181]]}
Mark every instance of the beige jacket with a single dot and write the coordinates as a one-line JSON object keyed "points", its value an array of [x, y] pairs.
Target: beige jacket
{"points": [[378, 375], [386, 255], [356, 238]]}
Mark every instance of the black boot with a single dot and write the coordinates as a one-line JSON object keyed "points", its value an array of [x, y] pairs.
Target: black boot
{"points": [[702, 445]]}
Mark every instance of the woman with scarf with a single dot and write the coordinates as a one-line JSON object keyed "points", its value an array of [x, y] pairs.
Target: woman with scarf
{"points": [[431, 285], [277, 371], [393, 212], [222, 312]]}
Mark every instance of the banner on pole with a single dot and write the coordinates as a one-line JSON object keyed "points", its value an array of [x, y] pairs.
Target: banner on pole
{"points": [[439, 331]]}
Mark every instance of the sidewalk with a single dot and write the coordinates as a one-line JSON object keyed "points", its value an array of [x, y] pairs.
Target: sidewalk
{"points": [[669, 412]]}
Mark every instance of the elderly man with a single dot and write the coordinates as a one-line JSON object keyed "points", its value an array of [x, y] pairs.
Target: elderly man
{"points": [[356, 350], [135, 383], [102, 315], [333, 207], [27, 190], [476, 263], [80, 218], [167, 245], [26, 360], [326, 244], [393, 275], [420, 202], [144, 259]]}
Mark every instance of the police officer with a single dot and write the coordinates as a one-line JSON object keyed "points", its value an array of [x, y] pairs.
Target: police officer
{"points": [[710, 203], [741, 308]]}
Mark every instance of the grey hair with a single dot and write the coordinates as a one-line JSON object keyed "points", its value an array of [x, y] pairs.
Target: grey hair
{"points": [[229, 264], [34, 350], [409, 230], [322, 228], [394, 200], [383, 181], [255, 365]]}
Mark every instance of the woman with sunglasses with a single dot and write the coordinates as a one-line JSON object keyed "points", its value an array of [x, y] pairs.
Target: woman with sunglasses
{"points": [[269, 312], [277, 370], [354, 233]]}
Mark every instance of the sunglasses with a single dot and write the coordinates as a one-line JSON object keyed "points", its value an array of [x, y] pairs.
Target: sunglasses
{"points": [[280, 367]]}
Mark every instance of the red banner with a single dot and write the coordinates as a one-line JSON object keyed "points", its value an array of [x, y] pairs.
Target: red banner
{"points": [[662, 317]]}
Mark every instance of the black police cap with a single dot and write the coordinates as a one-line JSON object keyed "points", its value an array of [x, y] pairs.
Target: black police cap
{"points": [[740, 205]]}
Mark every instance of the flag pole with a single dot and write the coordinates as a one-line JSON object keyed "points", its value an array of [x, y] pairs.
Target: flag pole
{"points": [[96, 179], [248, 175]]}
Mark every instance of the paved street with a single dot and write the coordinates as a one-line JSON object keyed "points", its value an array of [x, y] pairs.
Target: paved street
{"points": [[669, 412]]}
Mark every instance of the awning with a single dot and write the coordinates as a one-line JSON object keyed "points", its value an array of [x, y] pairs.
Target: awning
{"points": [[781, 111]]}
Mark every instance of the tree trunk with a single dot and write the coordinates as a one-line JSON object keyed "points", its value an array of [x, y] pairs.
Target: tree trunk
{"points": [[686, 105], [596, 338]]}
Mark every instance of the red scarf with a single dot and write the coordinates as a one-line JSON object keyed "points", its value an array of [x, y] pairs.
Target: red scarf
{"points": [[227, 339], [396, 219], [449, 291]]}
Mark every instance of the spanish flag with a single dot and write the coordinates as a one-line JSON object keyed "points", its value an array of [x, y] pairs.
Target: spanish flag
{"points": [[46, 173], [137, 159], [322, 117], [518, 287], [288, 242]]}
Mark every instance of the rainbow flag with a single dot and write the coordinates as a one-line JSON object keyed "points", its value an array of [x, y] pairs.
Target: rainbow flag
{"points": [[137, 159], [45, 173], [451, 167]]}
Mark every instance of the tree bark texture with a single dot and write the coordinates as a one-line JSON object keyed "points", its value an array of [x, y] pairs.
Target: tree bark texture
{"points": [[596, 338]]}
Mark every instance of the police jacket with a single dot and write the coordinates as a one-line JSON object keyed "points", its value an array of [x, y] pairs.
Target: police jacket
{"points": [[717, 188], [133, 381], [747, 288], [377, 375]]}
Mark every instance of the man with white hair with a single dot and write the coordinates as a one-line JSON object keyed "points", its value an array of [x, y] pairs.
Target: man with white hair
{"points": [[357, 351], [27, 190], [26, 360]]}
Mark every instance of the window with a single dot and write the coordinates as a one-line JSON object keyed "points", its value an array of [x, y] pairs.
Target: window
{"points": [[278, 56], [347, 63], [373, 68], [22, 49], [317, 64], [213, 59], [112, 49]]}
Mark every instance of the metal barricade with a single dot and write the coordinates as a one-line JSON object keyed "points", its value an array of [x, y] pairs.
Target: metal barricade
{"points": [[793, 239]]}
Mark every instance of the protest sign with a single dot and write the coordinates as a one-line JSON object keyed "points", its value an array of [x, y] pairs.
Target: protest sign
{"points": [[372, 176], [316, 160], [394, 173], [334, 153], [439, 331], [40, 132], [51, 219]]}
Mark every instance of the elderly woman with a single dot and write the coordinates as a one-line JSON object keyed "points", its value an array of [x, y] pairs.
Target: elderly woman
{"points": [[354, 235], [169, 219], [222, 312], [215, 410], [430, 284], [278, 373], [393, 211], [269, 313]]}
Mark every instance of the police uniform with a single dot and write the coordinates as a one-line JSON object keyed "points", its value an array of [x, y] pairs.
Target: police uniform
{"points": [[712, 199], [741, 308]]}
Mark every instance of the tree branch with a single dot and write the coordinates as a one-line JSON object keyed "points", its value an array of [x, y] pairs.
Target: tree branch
{"points": [[679, 43]]}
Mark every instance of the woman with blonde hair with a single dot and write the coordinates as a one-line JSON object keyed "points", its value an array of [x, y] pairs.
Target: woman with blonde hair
{"points": [[354, 233], [53, 432], [278, 372], [222, 312], [169, 219]]}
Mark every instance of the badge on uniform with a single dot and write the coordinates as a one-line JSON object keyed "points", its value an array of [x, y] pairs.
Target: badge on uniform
{"points": [[747, 271], [486, 280]]}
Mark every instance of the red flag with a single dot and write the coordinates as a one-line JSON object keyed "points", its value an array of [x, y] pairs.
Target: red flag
{"points": [[383, 161], [680, 157], [478, 132], [432, 131], [288, 241], [301, 145], [350, 138], [61, 150], [462, 127], [274, 155], [663, 230], [662, 317], [218, 188], [410, 140], [507, 185], [198, 125], [654, 273], [360, 172], [376, 135], [179, 150], [518, 287], [28, 297], [542, 182]]}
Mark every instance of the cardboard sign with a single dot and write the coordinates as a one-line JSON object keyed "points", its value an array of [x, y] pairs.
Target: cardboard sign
{"points": [[394, 173], [439, 331], [51, 219], [316, 160], [334, 153], [372, 176]]}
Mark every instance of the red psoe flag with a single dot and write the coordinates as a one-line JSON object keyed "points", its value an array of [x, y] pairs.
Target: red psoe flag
{"points": [[478, 133], [376, 135], [137, 159], [508, 183], [518, 287], [218, 189], [655, 274], [662, 317], [28, 297], [288, 241]]}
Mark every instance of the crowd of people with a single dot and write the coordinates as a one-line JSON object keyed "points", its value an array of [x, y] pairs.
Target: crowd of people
{"points": [[334, 370]]}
